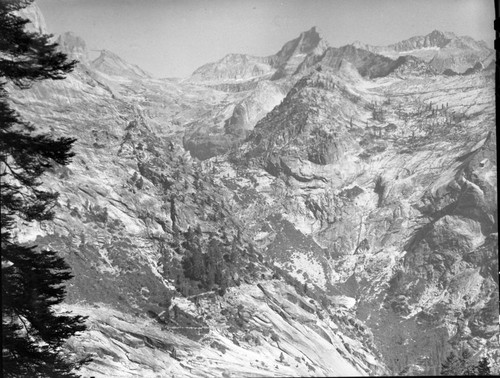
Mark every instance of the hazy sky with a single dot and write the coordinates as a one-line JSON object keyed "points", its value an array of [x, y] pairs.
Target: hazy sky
{"points": [[171, 38]]}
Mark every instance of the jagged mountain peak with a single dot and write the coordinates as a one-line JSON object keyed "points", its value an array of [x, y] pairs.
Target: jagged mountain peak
{"points": [[441, 49], [74, 46], [106, 54], [235, 57], [441, 34], [307, 42], [111, 64], [441, 39], [310, 38], [435, 39], [359, 45], [297, 52], [247, 67], [233, 68]]}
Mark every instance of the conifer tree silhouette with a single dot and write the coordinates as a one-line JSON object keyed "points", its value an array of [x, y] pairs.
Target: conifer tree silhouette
{"points": [[32, 280]]}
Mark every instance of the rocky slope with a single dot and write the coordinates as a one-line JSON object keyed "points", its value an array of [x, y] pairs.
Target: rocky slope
{"points": [[397, 189], [342, 222], [254, 330]]}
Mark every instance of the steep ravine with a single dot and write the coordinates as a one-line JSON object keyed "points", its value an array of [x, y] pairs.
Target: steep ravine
{"points": [[128, 196]]}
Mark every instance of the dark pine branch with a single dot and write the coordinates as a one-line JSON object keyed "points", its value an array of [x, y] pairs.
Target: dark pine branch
{"points": [[33, 281]]}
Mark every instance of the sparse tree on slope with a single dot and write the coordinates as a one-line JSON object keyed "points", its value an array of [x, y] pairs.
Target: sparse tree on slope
{"points": [[451, 365], [483, 367], [32, 280], [464, 364]]}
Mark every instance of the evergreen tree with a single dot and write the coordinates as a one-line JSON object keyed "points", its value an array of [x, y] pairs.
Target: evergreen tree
{"points": [[464, 364], [404, 371], [483, 367], [27, 56], [193, 262], [234, 253], [198, 265], [451, 365], [470, 369], [32, 280], [214, 254]]}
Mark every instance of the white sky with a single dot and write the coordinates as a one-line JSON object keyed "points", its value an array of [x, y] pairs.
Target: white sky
{"points": [[171, 38]]}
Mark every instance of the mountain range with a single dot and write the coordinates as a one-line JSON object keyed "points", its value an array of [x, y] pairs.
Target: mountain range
{"points": [[441, 50], [321, 211]]}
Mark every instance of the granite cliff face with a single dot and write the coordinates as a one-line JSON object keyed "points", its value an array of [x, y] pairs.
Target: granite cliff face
{"points": [[319, 212]]}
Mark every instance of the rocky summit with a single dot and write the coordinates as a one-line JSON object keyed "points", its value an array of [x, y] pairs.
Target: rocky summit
{"points": [[442, 50], [319, 212]]}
